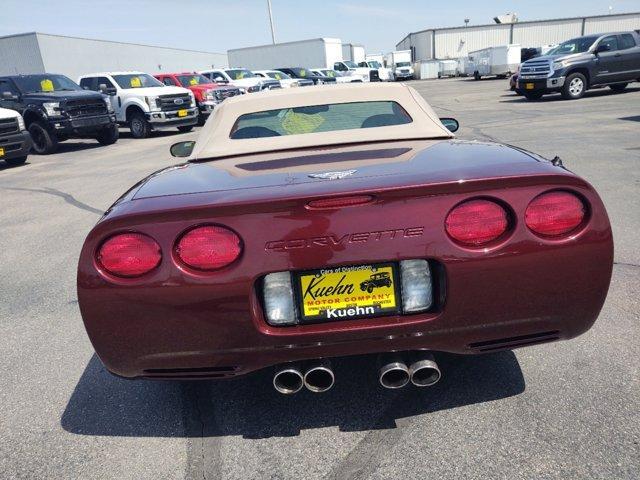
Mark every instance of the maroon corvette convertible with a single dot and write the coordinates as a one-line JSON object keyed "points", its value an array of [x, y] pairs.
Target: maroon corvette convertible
{"points": [[333, 221]]}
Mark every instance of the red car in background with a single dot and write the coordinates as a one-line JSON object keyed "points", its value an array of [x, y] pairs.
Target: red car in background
{"points": [[207, 93]]}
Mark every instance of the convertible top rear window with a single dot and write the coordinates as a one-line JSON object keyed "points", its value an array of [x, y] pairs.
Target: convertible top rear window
{"points": [[319, 118]]}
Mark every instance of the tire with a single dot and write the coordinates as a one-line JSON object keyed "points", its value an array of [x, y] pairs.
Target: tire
{"points": [[618, 87], [533, 95], [574, 86], [139, 126], [186, 128], [108, 136], [369, 289], [44, 141], [15, 161], [476, 76]]}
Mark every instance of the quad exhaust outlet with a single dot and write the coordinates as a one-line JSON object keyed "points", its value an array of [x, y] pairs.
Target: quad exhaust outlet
{"points": [[393, 372], [317, 378], [424, 370], [288, 380]]}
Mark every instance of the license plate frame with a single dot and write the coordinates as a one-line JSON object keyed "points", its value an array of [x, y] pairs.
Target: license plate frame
{"points": [[183, 112], [385, 301]]}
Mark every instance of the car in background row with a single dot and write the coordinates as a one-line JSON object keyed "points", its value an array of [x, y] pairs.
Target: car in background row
{"points": [[15, 141], [348, 67], [307, 74], [207, 93], [143, 103], [579, 64], [242, 78], [55, 109], [384, 74], [340, 78], [285, 80]]}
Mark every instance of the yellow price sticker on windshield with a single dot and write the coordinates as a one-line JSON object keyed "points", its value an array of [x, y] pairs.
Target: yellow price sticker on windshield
{"points": [[331, 74], [193, 81], [46, 85], [296, 123], [278, 76], [135, 82]]}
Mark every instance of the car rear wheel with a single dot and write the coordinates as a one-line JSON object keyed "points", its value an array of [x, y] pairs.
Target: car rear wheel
{"points": [[44, 142], [186, 128], [139, 126], [533, 95], [574, 86], [16, 161], [108, 136], [618, 87]]}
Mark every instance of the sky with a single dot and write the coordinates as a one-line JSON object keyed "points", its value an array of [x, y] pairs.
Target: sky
{"points": [[216, 26]]}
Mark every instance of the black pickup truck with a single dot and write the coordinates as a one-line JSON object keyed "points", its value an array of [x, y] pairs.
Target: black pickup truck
{"points": [[579, 64], [55, 109]]}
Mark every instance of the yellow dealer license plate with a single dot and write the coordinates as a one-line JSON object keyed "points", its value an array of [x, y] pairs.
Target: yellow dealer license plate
{"points": [[182, 113], [349, 292], [1, 152], [529, 86]]}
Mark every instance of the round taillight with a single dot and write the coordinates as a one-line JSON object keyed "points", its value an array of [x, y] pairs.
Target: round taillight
{"points": [[554, 214], [477, 222], [208, 248], [129, 255]]}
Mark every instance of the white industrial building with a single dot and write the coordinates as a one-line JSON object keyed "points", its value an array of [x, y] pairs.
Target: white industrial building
{"points": [[456, 42], [39, 52]]}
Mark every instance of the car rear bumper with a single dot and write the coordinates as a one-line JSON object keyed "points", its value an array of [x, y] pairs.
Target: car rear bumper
{"points": [[16, 146], [179, 325]]}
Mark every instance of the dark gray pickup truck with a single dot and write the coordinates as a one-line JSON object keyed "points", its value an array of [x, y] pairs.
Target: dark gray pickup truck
{"points": [[574, 66]]}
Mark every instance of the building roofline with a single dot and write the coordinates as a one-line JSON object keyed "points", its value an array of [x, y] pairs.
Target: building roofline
{"points": [[109, 41], [284, 43], [518, 23]]}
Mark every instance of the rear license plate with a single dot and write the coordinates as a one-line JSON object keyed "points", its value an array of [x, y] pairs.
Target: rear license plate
{"points": [[1, 152], [182, 113], [349, 292], [529, 86]]}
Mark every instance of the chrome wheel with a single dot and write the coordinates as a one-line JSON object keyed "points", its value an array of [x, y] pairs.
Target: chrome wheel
{"points": [[137, 127], [576, 86]]}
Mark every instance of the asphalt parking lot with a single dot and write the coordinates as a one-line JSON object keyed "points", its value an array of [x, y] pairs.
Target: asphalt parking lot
{"points": [[563, 410]]}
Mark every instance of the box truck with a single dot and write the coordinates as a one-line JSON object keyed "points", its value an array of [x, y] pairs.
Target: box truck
{"points": [[499, 61], [400, 64], [313, 53], [353, 52]]}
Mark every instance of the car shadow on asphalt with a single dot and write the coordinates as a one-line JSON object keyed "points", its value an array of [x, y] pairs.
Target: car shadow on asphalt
{"points": [[102, 404], [556, 97]]}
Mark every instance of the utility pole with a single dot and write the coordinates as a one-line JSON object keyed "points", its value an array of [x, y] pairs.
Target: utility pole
{"points": [[273, 33]]}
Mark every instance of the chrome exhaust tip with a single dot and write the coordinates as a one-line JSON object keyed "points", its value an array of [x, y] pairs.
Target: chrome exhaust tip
{"points": [[319, 378], [424, 371], [288, 380], [393, 373]]}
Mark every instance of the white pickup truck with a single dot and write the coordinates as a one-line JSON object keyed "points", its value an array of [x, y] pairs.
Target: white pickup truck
{"points": [[348, 67], [143, 103], [244, 79], [15, 141]]}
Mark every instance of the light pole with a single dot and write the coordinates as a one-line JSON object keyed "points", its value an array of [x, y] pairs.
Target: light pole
{"points": [[273, 33]]}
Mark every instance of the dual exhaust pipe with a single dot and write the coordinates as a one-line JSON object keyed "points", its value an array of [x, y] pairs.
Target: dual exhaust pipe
{"points": [[317, 378], [394, 373], [422, 371]]}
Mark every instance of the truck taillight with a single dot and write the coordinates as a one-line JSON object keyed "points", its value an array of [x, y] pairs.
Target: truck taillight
{"points": [[554, 214], [477, 222], [208, 247], [129, 255]]}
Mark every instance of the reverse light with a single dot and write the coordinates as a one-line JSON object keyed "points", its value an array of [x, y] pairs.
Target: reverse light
{"points": [[279, 303], [129, 255], [555, 214], [417, 291], [477, 222], [208, 248]]}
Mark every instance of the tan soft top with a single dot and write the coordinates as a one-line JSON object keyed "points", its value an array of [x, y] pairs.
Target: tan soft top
{"points": [[214, 141]]}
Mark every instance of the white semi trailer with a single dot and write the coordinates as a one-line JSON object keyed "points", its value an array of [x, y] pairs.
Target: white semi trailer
{"points": [[313, 53], [499, 61]]}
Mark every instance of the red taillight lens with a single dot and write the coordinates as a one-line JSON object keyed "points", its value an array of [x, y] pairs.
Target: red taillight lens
{"points": [[477, 222], [129, 255], [208, 248], [554, 213]]}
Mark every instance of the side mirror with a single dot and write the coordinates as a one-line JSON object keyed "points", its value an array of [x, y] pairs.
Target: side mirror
{"points": [[9, 96], [603, 48], [182, 149], [450, 124]]}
